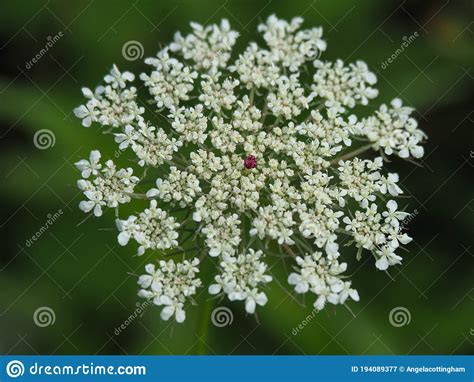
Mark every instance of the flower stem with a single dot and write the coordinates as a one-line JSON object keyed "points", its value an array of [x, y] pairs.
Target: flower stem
{"points": [[203, 326], [352, 154], [136, 195], [289, 250]]}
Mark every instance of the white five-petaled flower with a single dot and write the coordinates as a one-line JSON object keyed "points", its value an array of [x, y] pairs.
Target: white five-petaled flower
{"points": [[386, 257], [91, 166], [392, 216]]}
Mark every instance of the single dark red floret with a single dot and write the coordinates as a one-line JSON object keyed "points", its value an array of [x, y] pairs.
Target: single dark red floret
{"points": [[250, 162]]}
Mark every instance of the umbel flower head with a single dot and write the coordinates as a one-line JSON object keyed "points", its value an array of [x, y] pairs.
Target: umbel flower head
{"points": [[239, 158]]}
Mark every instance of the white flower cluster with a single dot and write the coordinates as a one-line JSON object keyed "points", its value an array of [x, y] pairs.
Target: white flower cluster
{"points": [[208, 47], [321, 275], [109, 187], [251, 154], [111, 105], [379, 233], [181, 187], [153, 228], [344, 85], [240, 277], [290, 46], [362, 180], [170, 285], [151, 145], [394, 131]]}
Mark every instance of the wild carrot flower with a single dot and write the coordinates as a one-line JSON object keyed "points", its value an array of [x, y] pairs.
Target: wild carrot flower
{"points": [[243, 156]]}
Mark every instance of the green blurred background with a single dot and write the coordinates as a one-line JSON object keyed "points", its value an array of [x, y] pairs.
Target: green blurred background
{"points": [[88, 281]]}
